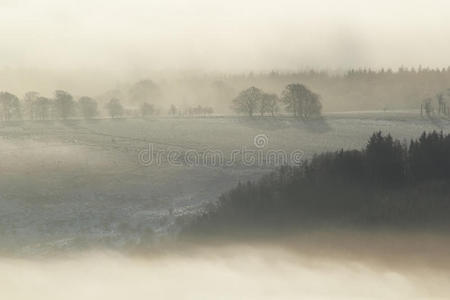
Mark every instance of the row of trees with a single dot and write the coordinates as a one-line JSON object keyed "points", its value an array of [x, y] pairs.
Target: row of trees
{"points": [[62, 106], [37, 107], [297, 99], [386, 183], [198, 110]]}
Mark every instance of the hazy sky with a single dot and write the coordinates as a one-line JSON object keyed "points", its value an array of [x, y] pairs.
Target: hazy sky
{"points": [[223, 35]]}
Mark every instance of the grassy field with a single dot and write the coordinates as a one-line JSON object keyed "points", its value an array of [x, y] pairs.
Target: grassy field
{"points": [[80, 183]]}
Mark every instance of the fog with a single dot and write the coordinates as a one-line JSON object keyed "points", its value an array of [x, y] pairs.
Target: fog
{"points": [[135, 35], [87, 86], [259, 271], [90, 47]]}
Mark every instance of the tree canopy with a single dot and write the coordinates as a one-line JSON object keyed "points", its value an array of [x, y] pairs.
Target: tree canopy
{"points": [[386, 183], [302, 102], [10, 106], [64, 104], [248, 101]]}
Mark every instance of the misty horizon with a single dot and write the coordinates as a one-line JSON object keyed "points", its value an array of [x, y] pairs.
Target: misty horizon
{"points": [[211, 149], [177, 35]]}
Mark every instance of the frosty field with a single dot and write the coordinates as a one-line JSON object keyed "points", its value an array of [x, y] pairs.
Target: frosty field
{"points": [[80, 184]]}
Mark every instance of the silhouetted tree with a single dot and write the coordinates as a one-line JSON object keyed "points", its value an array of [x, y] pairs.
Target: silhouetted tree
{"points": [[248, 101], [385, 159], [301, 101], [269, 104], [64, 104], [29, 104], [10, 106], [429, 157], [42, 108]]}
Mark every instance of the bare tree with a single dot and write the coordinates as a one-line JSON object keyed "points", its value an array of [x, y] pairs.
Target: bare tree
{"points": [[64, 104], [42, 107], [248, 101], [29, 104], [269, 104], [10, 106], [301, 101]]}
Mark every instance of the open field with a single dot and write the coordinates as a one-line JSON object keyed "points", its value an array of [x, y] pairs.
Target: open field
{"points": [[76, 184]]}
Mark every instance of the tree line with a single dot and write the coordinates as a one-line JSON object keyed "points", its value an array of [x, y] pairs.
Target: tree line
{"points": [[356, 89], [388, 183], [61, 106], [297, 99], [198, 110]]}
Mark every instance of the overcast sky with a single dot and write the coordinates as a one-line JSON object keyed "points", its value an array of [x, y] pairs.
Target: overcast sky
{"points": [[223, 35]]}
